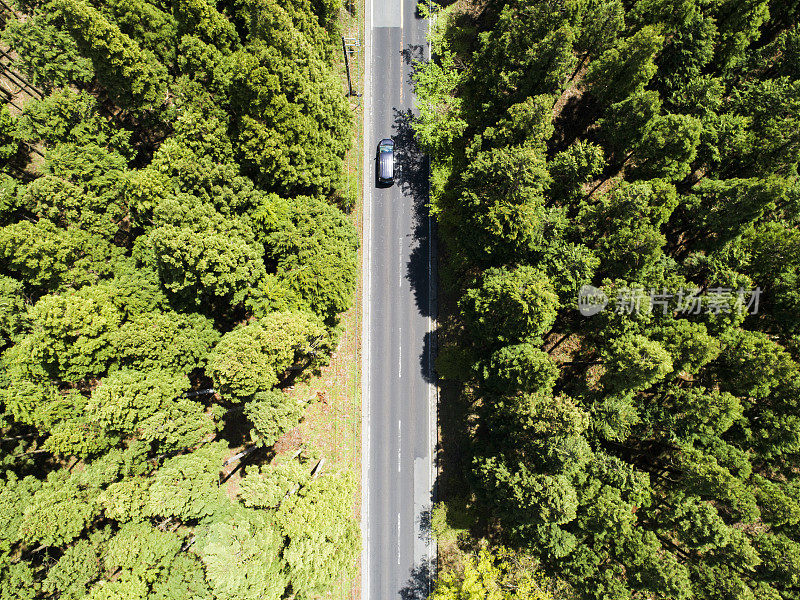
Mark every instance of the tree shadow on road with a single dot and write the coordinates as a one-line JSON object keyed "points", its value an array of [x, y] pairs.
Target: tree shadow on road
{"points": [[413, 53], [413, 181], [427, 357], [424, 524], [420, 583]]}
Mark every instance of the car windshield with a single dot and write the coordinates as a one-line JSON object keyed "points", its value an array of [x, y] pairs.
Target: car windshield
{"points": [[385, 148]]}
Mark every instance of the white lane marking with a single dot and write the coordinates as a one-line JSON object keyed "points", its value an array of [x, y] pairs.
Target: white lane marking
{"points": [[399, 443], [400, 354], [400, 264], [398, 538]]}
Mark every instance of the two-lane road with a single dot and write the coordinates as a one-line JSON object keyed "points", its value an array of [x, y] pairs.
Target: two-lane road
{"points": [[399, 399]]}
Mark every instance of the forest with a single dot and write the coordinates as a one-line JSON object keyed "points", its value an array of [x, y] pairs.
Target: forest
{"points": [[645, 446], [174, 254]]}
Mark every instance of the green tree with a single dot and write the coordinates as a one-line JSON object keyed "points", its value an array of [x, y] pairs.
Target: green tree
{"points": [[73, 331], [498, 211], [314, 248], [725, 208], [252, 357], [509, 306], [600, 25], [739, 25], [272, 414], [141, 552], [771, 142], [71, 430], [689, 412], [527, 123], [132, 75], [176, 342], [242, 556], [197, 266], [66, 204], [569, 267], [9, 136], [201, 18], [634, 362], [707, 478], [71, 576], [322, 537], [624, 123], [47, 56], [752, 365], [46, 257], [527, 499], [204, 64], [58, 512], [186, 486], [125, 398], [668, 148], [152, 27], [440, 121], [626, 223], [496, 574], [528, 52], [573, 167], [690, 33], [519, 368], [689, 344], [774, 256], [27, 390], [292, 118], [269, 485], [67, 116], [627, 67], [12, 308]]}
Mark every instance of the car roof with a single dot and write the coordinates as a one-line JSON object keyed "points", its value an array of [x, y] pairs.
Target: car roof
{"points": [[386, 165]]}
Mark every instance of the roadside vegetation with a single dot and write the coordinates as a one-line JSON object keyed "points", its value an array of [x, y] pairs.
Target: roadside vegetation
{"points": [[650, 149], [173, 259]]}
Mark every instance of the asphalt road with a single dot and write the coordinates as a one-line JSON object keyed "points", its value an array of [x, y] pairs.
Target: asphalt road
{"points": [[399, 400]]}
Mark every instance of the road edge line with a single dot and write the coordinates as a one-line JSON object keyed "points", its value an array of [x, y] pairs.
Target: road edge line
{"points": [[366, 277]]}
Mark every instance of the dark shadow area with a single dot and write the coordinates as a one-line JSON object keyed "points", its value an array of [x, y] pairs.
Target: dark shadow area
{"points": [[420, 583], [424, 524], [454, 451], [412, 177], [573, 121], [412, 54], [235, 429], [426, 359], [257, 455]]}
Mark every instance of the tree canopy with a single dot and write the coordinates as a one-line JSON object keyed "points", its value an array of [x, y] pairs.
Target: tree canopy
{"points": [[172, 258], [616, 189]]}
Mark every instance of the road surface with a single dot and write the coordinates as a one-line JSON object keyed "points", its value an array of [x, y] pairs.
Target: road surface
{"points": [[399, 399]]}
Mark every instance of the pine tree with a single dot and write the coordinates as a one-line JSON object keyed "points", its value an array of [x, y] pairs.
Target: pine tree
{"points": [[134, 76]]}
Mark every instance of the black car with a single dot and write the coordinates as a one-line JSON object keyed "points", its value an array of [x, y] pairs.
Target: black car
{"points": [[386, 161]]}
